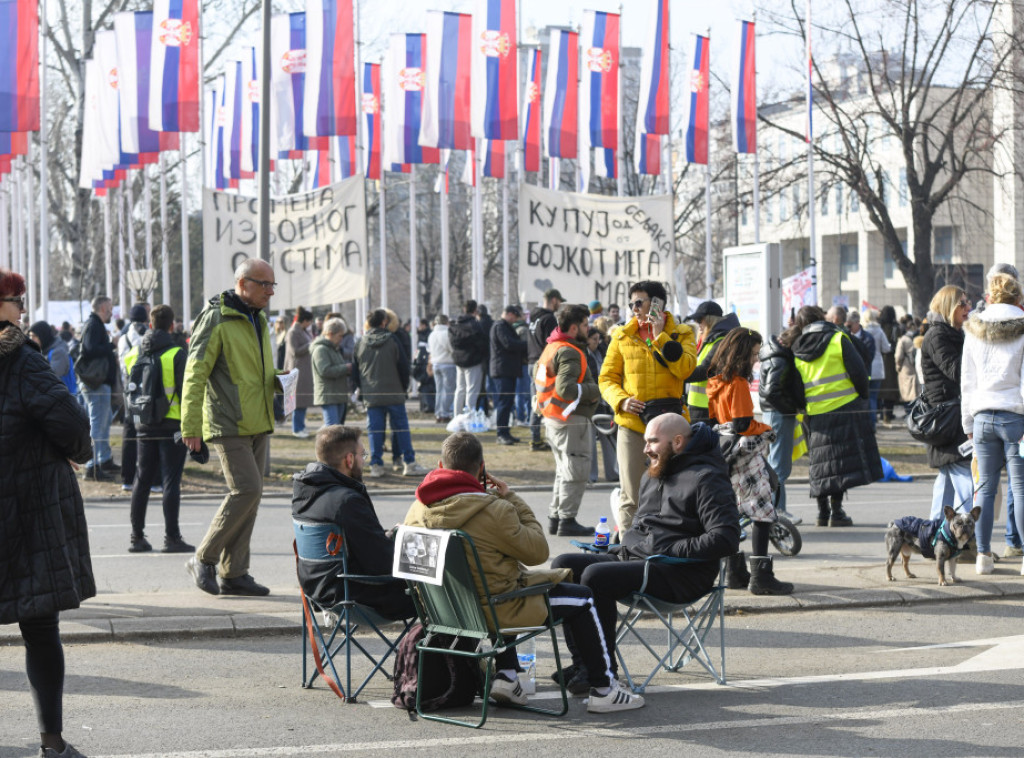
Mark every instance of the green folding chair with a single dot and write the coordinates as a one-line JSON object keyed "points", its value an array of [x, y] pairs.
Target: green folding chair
{"points": [[454, 608]]}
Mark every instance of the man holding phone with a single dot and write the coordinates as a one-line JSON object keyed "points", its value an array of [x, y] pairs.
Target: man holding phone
{"points": [[648, 360]]}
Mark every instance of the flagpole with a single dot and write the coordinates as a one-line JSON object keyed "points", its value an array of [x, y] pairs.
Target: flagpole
{"points": [[264, 177], [810, 159], [108, 266], [709, 279], [147, 198], [444, 241], [165, 263], [757, 160], [44, 171], [18, 216], [121, 248], [580, 126], [620, 155], [383, 250], [186, 253], [5, 260], [360, 165], [504, 233], [30, 250], [677, 264], [478, 208], [129, 211], [413, 245]]}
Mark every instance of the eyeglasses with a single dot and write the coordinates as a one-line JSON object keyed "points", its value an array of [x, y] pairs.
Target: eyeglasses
{"points": [[638, 304], [19, 301], [965, 304], [263, 284]]}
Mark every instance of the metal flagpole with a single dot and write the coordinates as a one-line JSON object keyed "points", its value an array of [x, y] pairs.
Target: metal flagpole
{"points": [[757, 199], [383, 248], [444, 240], [121, 299], [129, 211], [678, 267], [504, 235], [5, 250], [30, 250], [413, 245], [264, 176], [186, 253], [147, 198], [18, 217], [108, 265], [810, 160], [44, 172], [478, 237], [620, 154], [709, 281], [359, 162], [165, 263]]}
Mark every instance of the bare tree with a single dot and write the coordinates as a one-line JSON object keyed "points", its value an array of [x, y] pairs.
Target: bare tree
{"points": [[926, 73]]}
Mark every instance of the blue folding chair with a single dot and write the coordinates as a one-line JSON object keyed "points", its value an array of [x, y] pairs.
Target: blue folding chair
{"points": [[325, 543]]}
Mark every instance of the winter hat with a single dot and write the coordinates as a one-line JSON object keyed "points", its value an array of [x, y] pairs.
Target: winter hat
{"points": [[138, 313]]}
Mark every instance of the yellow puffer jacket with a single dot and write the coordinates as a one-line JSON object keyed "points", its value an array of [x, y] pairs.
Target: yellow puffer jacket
{"points": [[631, 368]]}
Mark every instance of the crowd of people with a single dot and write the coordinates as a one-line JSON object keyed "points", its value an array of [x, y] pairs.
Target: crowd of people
{"points": [[686, 449]]}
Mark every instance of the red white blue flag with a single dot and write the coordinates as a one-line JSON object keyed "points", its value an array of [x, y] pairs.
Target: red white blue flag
{"points": [[174, 70], [90, 170], [744, 93], [371, 114], [404, 101], [117, 158], [287, 82], [599, 83], [648, 154], [695, 136], [532, 116], [330, 86], [134, 32], [494, 158], [495, 65], [561, 104], [653, 108], [344, 150], [232, 118], [19, 65], [249, 123], [13, 143], [447, 90]]}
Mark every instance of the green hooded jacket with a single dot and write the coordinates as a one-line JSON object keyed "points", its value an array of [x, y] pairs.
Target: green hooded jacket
{"points": [[230, 376]]}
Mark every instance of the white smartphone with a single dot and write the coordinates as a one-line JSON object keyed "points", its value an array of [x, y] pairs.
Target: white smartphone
{"points": [[967, 448], [657, 308]]}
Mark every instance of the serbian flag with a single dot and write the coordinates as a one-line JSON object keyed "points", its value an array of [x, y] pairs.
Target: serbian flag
{"points": [[446, 86], [13, 143], [695, 136], [404, 99], [90, 170], [321, 165], [653, 106], [19, 65], [174, 66], [249, 120], [330, 88], [344, 149], [744, 93], [648, 154], [134, 32], [605, 164], [599, 85], [532, 115], [371, 114], [495, 77], [494, 158], [115, 157], [233, 121], [561, 105], [287, 82]]}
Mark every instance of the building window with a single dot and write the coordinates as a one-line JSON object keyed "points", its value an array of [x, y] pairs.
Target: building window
{"points": [[783, 207], [796, 200], [783, 148], [824, 201], [942, 250], [839, 200], [848, 261], [854, 202], [903, 188], [768, 216], [743, 214]]}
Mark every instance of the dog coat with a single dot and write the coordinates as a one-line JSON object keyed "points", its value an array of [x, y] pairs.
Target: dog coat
{"points": [[928, 533]]}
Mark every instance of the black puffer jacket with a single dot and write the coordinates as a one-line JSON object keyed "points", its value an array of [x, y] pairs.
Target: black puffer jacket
{"points": [[690, 512], [44, 542], [780, 388], [507, 351], [942, 351], [842, 445], [324, 495], [469, 341]]}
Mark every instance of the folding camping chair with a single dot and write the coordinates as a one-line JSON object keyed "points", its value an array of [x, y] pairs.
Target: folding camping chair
{"points": [[687, 626], [454, 608], [326, 543]]}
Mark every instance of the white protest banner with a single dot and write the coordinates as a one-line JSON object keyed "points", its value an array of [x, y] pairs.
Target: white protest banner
{"points": [[317, 243], [591, 247], [797, 291]]}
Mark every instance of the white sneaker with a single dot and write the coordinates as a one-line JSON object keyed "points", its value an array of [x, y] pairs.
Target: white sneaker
{"points": [[793, 519], [1012, 552], [619, 698], [414, 469], [376, 472], [506, 691], [303, 435], [984, 564]]}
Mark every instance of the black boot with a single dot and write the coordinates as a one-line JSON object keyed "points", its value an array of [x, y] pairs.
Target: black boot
{"points": [[838, 516], [762, 578], [570, 527], [823, 510], [736, 575], [552, 524]]}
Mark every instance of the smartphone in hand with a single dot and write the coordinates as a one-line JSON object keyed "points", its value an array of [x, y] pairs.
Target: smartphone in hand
{"points": [[657, 308]]}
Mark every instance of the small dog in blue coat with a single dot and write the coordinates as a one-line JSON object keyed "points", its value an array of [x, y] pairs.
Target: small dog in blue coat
{"points": [[942, 539]]}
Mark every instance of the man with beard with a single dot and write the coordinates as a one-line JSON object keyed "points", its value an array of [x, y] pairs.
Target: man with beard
{"points": [[687, 509], [331, 491]]}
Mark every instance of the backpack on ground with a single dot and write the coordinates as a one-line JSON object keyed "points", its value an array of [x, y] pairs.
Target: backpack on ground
{"points": [[146, 402], [449, 681]]}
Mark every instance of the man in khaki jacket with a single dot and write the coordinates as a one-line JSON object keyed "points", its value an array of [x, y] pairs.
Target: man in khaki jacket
{"points": [[508, 538]]}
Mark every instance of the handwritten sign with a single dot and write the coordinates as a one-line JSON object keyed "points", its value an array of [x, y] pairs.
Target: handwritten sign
{"points": [[592, 247], [317, 243]]}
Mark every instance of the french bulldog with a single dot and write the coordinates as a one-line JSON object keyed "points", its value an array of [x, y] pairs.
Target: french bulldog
{"points": [[942, 539]]}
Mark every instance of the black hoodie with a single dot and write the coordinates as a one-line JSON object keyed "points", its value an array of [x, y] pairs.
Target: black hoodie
{"points": [[542, 323], [815, 339]]}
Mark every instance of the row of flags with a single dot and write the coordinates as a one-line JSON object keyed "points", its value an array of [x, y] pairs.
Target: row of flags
{"points": [[19, 78]]}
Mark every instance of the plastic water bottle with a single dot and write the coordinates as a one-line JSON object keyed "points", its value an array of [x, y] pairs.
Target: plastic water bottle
{"points": [[527, 653], [602, 533]]}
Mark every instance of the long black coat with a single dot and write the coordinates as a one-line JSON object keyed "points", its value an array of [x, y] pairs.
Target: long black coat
{"points": [[780, 388], [842, 445], [942, 351], [44, 544], [507, 351]]}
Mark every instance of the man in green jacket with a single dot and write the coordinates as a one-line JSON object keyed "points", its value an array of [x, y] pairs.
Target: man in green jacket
{"points": [[228, 399]]}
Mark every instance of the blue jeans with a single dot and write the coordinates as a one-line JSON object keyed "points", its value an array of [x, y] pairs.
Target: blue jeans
{"points": [[299, 420], [996, 443], [376, 418], [97, 402], [780, 454], [444, 379], [1012, 535], [334, 414], [504, 399], [954, 486], [874, 385], [523, 396]]}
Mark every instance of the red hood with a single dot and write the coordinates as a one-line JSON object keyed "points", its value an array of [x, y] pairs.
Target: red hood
{"points": [[442, 483], [557, 335]]}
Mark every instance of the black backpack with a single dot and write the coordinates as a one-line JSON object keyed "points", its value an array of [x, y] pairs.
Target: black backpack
{"points": [[449, 681], [145, 400]]}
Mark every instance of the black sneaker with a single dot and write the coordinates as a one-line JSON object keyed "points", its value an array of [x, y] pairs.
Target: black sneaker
{"points": [[507, 439], [176, 545], [139, 544], [97, 474], [538, 446], [204, 575], [110, 467], [570, 527], [243, 585]]}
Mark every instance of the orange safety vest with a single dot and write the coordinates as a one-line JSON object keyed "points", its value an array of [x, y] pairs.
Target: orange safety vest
{"points": [[549, 403]]}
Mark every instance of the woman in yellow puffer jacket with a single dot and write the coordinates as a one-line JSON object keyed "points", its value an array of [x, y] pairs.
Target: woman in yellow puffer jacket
{"points": [[648, 360]]}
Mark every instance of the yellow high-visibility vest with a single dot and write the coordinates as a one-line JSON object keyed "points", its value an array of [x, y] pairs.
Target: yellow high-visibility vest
{"points": [[166, 375], [697, 392], [827, 384]]}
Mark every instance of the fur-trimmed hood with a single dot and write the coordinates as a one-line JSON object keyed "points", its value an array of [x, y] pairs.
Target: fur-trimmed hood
{"points": [[997, 323], [11, 339]]}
